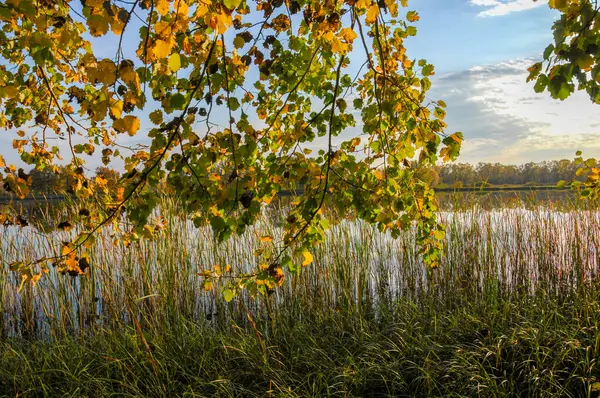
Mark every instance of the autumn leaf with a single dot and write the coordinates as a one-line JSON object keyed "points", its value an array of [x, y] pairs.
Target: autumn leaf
{"points": [[266, 238], [116, 109], [129, 124], [372, 14], [307, 258], [232, 4], [348, 35], [174, 62], [161, 49], [412, 16], [130, 76], [98, 25], [162, 6]]}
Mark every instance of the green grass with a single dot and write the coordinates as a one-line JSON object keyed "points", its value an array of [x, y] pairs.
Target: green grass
{"points": [[514, 310]]}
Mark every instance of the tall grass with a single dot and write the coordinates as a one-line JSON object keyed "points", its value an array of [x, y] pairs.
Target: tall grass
{"points": [[513, 309]]}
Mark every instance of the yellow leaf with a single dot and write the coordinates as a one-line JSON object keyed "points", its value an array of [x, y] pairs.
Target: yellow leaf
{"points": [[201, 10], [2, 163], [161, 49], [363, 4], [163, 29], [35, 278], [174, 62], [182, 8], [116, 109], [162, 6], [348, 35], [129, 124], [266, 238], [372, 14], [338, 47], [117, 26], [220, 22], [308, 258], [66, 249]]}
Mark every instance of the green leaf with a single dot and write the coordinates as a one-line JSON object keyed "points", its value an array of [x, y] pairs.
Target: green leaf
{"points": [[177, 101], [541, 83], [156, 117], [239, 42], [548, 51], [427, 70]]}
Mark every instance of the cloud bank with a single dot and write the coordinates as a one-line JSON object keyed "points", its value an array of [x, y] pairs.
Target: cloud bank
{"points": [[495, 8], [504, 120]]}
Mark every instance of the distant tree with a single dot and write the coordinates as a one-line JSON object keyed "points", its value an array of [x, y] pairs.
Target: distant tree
{"points": [[44, 181], [453, 173]]}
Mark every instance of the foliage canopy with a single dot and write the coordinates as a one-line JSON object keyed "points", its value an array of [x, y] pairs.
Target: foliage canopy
{"points": [[219, 101]]}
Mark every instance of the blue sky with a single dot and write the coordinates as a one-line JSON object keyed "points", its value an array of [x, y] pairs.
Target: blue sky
{"points": [[455, 35], [481, 50]]}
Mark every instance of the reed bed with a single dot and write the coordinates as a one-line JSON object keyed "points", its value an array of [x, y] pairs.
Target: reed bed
{"points": [[513, 309]]}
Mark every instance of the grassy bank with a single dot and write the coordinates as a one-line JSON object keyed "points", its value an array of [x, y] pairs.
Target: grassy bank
{"points": [[534, 348], [513, 311]]}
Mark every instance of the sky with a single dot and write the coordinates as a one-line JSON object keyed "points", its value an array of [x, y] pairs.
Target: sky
{"points": [[481, 50]]}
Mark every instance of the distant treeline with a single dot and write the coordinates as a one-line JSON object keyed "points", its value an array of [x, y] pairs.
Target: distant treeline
{"points": [[447, 175], [47, 182], [542, 173]]}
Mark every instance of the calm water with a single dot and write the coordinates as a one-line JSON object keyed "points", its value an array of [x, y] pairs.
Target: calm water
{"points": [[523, 247]]}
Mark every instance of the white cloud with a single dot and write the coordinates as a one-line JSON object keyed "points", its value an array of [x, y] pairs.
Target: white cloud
{"points": [[504, 120], [502, 7]]}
